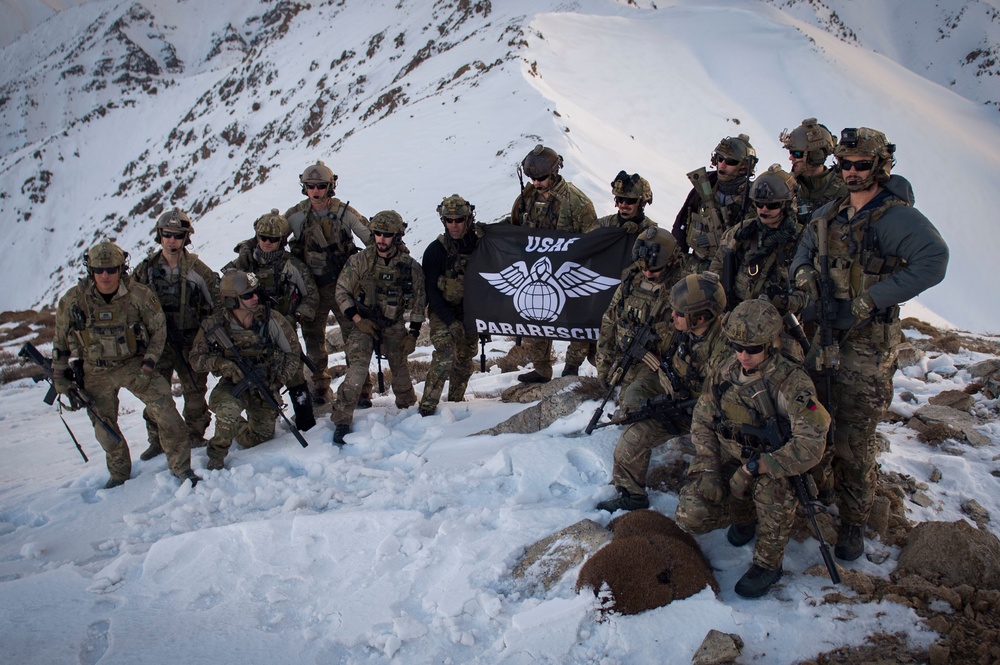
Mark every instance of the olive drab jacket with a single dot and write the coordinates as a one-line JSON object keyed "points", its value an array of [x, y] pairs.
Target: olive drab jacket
{"points": [[615, 221], [730, 400], [565, 209], [816, 191], [269, 344], [325, 240], [387, 287], [110, 333], [286, 280], [187, 293]]}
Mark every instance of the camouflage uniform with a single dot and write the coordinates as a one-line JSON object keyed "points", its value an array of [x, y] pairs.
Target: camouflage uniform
{"points": [[728, 402], [269, 344], [324, 242], [444, 264], [114, 338], [818, 190], [565, 209], [385, 289], [187, 295]]}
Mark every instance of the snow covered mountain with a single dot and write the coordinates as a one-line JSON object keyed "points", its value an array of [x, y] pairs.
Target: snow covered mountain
{"points": [[112, 111]]}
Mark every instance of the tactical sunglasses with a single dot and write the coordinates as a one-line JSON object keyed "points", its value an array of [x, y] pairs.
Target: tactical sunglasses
{"points": [[797, 154], [770, 205], [753, 349], [382, 234], [728, 160], [860, 165], [317, 185], [249, 295], [542, 179], [453, 220], [626, 199], [113, 270], [173, 236], [269, 238]]}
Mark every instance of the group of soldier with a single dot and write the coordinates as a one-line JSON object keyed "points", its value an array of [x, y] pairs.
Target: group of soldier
{"points": [[841, 247]]}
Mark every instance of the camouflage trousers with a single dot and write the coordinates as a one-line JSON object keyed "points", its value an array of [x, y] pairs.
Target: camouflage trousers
{"points": [[314, 335], [359, 355], [771, 502], [194, 386], [257, 428], [103, 384], [636, 443], [577, 352], [861, 392], [451, 361], [539, 350]]}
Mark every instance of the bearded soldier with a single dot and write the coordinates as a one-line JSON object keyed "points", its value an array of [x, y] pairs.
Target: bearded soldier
{"points": [[261, 337], [548, 202], [377, 287], [188, 291], [117, 328], [286, 285], [859, 258], [718, 201], [444, 264], [736, 478], [809, 145], [324, 228]]}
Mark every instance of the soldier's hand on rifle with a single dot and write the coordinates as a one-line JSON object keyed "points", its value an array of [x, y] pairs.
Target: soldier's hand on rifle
{"points": [[709, 486], [739, 484], [409, 343], [228, 370], [862, 307], [367, 326], [63, 381], [651, 361], [805, 280]]}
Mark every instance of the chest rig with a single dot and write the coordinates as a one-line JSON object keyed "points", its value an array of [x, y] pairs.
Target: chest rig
{"points": [[183, 302], [253, 344], [708, 222], [275, 282], [638, 304], [761, 268], [742, 404], [389, 287], [326, 242], [451, 283], [111, 332]]}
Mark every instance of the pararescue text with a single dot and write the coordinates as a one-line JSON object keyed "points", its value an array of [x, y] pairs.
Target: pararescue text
{"points": [[534, 330]]}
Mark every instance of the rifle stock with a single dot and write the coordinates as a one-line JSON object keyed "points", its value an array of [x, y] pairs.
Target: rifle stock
{"points": [[662, 408], [638, 342]]}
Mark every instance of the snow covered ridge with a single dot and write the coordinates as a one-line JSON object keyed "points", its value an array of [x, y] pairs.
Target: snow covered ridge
{"points": [[399, 546]]}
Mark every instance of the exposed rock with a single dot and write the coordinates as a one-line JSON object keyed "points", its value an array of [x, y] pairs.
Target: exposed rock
{"points": [[922, 500], [976, 512], [545, 562], [555, 400], [988, 373], [956, 399], [718, 648], [878, 518], [907, 354], [960, 425], [951, 553], [936, 475]]}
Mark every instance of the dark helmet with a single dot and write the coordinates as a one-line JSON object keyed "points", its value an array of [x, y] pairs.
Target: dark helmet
{"points": [[632, 187], [318, 174], [699, 293], [654, 249], [811, 138], [272, 224], [234, 285], [866, 142], [775, 186], [753, 322], [540, 162], [105, 254], [175, 221], [737, 148]]}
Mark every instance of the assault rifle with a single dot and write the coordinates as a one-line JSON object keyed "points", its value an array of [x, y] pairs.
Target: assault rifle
{"points": [[703, 186], [636, 345], [482, 351], [175, 339], [381, 323], [78, 397], [663, 408], [827, 315], [253, 377], [774, 434], [728, 277]]}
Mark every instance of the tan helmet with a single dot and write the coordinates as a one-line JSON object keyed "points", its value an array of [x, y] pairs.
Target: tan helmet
{"points": [[455, 206], [235, 284], [105, 254], [389, 221], [774, 186], [737, 148], [272, 224], [317, 174], [697, 294], [812, 138], [753, 322], [541, 161], [654, 249], [867, 142], [632, 187], [174, 220]]}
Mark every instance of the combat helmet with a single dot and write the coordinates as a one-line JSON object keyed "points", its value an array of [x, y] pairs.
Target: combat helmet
{"points": [[175, 220], [105, 254], [654, 249], [455, 206], [234, 285], [737, 148], [318, 174], [272, 224], [389, 221], [541, 162], [632, 187], [753, 322], [698, 295], [774, 186], [811, 138], [867, 142]]}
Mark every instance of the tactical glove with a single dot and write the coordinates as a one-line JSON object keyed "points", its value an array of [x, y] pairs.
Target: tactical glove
{"points": [[805, 280], [367, 326], [227, 369], [409, 344], [63, 381], [631, 228], [709, 486], [457, 330], [739, 484], [862, 307]]}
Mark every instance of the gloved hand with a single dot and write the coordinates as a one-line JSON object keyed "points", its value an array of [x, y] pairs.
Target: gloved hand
{"points": [[739, 484], [409, 344], [862, 307], [479, 229], [367, 326], [456, 330], [631, 228], [806, 280], [63, 381], [780, 301], [709, 486], [227, 369]]}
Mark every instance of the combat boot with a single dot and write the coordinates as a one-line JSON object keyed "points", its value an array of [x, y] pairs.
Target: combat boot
{"points": [[113, 483], [305, 419], [756, 581], [216, 464], [339, 432], [151, 452], [321, 396], [190, 475], [850, 542], [624, 501], [364, 401], [532, 377], [741, 534], [425, 411], [571, 370]]}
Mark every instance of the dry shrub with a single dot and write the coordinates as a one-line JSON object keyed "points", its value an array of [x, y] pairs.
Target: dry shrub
{"points": [[516, 357], [949, 343], [12, 369], [922, 327], [935, 433], [418, 370], [590, 387], [41, 323]]}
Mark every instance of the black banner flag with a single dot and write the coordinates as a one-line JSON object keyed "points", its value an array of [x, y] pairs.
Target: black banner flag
{"points": [[541, 283]]}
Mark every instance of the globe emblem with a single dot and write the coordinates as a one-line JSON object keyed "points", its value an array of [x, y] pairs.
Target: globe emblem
{"points": [[539, 301]]}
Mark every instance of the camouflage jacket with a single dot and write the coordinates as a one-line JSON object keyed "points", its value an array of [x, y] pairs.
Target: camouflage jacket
{"points": [[269, 343], [105, 334], [187, 293], [615, 221], [816, 191], [325, 240], [694, 227], [695, 356], [284, 278], [730, 400], [565, 209], [392, 286]]}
